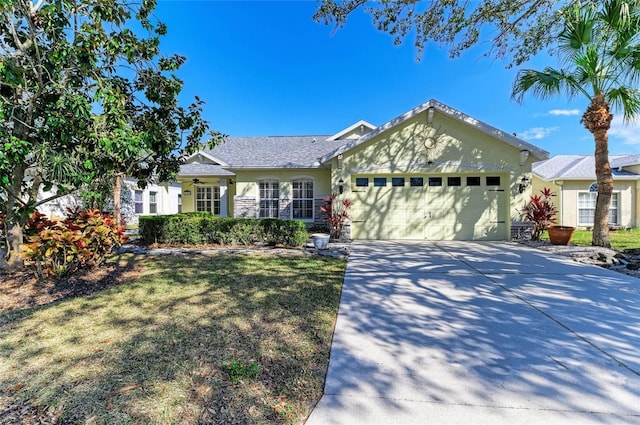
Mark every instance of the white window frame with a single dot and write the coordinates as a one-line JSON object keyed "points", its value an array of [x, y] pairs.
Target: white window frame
{"points": [[138, 202], [268, 198], [614, 209], [153, 202], [304, 198], [179, 203], [210, 202]]}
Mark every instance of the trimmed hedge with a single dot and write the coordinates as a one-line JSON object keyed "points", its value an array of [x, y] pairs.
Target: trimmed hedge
{"points": [[202, 228]]}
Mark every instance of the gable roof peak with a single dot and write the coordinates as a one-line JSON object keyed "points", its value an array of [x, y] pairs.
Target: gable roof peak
{"points": [[362, 125], [435, 105]]}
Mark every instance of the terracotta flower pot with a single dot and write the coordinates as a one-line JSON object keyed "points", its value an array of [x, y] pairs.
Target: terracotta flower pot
{"points": [[560, 235]]}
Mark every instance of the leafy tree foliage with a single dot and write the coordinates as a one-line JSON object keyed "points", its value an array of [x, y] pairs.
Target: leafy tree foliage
{"points": [[85, 92], [517, 29], [599, 48]]}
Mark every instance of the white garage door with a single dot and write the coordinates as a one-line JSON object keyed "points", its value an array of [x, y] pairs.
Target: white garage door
{"points": [[436, 207]]}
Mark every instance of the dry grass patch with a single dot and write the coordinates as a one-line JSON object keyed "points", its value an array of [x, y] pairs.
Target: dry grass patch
{"points": [[225, 339]]}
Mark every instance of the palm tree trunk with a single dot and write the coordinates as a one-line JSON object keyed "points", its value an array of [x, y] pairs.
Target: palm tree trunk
{"points": [[597, 119], [605, 189]]}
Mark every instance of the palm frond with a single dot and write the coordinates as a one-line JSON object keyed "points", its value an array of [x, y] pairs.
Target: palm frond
{"points": [[625, 99], [544, 84], [578, 30]]}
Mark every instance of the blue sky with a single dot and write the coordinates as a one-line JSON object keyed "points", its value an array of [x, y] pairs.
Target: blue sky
{"points": [[266, 68]]}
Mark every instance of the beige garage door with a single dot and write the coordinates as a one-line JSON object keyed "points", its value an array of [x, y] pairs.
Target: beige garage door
{"points": [[435, 207]]}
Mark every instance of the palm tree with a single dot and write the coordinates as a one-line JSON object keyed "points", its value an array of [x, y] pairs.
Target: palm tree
{"points": [[600, 59]]}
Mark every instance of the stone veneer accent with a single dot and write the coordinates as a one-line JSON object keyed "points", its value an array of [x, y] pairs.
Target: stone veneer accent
{"points": [[318, 216], [285, 209], [244, 207]]}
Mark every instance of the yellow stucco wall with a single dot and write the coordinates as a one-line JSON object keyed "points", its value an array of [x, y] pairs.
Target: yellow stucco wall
{"points": [[244, 184], [567, 199], [246, 180], [447, 147]]}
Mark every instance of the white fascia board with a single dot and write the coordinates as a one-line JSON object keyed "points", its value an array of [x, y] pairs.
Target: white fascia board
{"points": [[453, 113], [351, 128], [208, 156]]}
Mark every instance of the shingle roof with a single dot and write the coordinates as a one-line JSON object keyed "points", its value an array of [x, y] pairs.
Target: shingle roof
{"points": [[274, 151], [204, 170], [577, 167]]}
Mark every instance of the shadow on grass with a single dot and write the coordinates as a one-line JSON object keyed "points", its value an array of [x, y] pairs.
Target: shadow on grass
{"points": [[154, 350]]}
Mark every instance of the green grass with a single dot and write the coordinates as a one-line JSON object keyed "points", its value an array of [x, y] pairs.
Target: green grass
{"points": [[620, 239], [221, 339]]}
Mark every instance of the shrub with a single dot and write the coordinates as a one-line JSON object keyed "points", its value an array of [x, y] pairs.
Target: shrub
{"points": [[336, 213], [203, 228], [541, 212], [58, 248]]}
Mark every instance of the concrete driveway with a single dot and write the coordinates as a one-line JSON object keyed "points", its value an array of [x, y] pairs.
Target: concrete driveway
{"points": [[481, 333]]}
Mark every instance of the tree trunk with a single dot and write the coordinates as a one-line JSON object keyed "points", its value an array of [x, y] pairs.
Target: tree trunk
{"points": [[597, 119], [15, 221], [117, 190]]}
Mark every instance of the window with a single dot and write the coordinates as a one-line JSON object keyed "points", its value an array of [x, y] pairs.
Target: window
{"points": [[137, 199], [473, 181], [397, 181], [454, 181], [153, 203], [179, 202], [587, 208], [379, 181], [302, 199], [208, 199], [269, 199], [493, 180], [435, 181], [362, 182], [416, 181]]}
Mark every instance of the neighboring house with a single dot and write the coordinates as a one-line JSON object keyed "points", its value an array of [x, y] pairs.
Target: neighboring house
{"points": [[155, 199], [161, 198], [573, 179], [430, 173]]}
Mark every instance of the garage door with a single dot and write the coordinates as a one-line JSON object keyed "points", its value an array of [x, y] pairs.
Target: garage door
{"points": [[435, 207]]}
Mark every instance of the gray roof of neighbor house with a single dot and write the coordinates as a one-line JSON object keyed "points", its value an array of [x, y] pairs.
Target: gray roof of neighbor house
{"points": [[274, 151], [204, 170], [581, 167]]}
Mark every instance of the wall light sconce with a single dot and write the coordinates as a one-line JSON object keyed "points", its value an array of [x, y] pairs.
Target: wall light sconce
{"points": [[524, 184], [341, 186], [187, 193], [430, 113]]}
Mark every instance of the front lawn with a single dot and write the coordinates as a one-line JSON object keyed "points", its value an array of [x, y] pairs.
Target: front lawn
{"points": [[207, 339], [620, 239]]}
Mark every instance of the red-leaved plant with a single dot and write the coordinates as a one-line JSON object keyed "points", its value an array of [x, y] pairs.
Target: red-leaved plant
{"points": [[58, 248], [335, 214], [541, 212]]}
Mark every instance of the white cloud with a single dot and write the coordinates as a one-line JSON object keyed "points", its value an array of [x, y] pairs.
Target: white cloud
{"points": [[629, 132], [537, 133], [564, 112]]}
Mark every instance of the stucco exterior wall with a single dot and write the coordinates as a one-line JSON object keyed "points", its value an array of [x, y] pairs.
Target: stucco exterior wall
{"points": [[446, 147], [189, 191], [567, 200], [242, 194]]}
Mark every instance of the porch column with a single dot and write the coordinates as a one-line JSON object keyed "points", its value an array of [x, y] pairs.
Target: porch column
{"points": [[224, 197]]}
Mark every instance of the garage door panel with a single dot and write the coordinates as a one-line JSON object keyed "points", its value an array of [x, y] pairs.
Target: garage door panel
{"points": [[431, 212]]}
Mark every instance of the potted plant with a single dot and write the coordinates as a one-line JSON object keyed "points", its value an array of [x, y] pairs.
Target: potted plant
{"points": [[542, 213]]}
